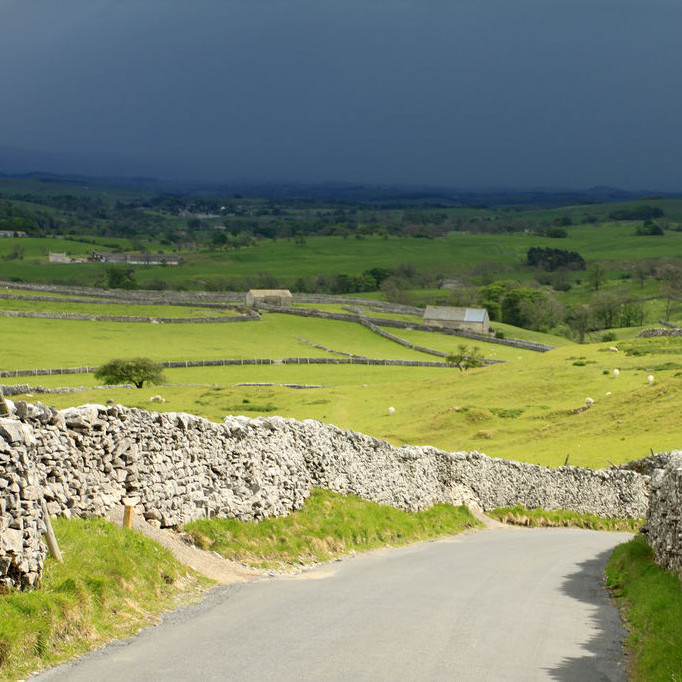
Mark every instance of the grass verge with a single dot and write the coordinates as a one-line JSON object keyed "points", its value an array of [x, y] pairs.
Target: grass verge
{"points": [[561, 518], [112, 583], [328, 525], [650, 600]]}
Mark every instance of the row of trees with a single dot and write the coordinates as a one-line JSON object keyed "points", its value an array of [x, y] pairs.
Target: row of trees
{"points": [[523, 306]]}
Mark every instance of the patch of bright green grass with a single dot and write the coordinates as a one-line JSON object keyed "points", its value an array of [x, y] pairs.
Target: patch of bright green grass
{"points": [[76, 343], [561, 518], [327, 526], [112, 583], [455, 411], [650, 600], [93, 307]]}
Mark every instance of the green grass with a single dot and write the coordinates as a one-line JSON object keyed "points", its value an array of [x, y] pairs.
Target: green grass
{"points": [[119, 310], [452, 255], [328, 525], [112, 583], [75, 343], [650, 600], [521, 410], [561, 518]]}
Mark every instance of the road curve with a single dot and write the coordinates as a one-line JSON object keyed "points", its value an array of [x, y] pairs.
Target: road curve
{"points": [[502, 604]]}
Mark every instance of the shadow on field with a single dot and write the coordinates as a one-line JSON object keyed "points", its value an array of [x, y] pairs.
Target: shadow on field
{"points": [[604, 658]]}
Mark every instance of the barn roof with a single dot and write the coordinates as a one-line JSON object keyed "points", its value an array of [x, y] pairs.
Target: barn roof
{"points": [[448, 314]]}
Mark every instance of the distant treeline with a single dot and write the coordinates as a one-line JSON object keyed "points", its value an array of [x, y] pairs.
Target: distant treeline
{"points": [[643, 212]]}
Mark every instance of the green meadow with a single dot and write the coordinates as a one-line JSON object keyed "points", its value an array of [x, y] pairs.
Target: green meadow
{"points": [[451, 255], [525, 408]]}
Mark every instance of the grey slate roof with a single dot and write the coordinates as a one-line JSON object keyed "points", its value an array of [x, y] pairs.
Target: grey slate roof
{"points": [[448, 314]]}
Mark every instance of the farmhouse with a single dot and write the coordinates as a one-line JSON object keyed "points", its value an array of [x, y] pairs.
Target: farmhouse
{"points": [[59, 257], [278, 297], [472, 319]]}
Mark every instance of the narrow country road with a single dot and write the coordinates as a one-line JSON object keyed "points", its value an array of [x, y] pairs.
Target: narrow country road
{"points": [[502, 604]]}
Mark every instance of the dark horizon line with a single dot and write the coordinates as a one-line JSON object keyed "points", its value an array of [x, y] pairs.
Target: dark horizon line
{"points": [[75, 177]]}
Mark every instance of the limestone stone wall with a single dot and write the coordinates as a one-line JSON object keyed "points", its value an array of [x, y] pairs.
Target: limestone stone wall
{"points": [[663, 529], [180, 467], [21, 524]]}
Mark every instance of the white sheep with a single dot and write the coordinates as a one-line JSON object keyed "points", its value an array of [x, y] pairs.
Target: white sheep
{"points": [[391, 411], [589, 401], [616, 373], [650, 379], [157, 399], [613, 349]]}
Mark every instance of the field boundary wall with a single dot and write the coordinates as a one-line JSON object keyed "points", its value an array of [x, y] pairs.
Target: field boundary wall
{"points": [[8, 373], [663, 529], [179, 467]]}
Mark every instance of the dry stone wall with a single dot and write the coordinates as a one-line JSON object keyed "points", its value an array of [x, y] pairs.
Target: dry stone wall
{"points": [[180, 467], [21, 525], [663, 529]]}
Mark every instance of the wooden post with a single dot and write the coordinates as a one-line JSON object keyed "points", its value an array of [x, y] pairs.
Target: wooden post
{"points": [[128, 507], [50, 538], [128, 516]]}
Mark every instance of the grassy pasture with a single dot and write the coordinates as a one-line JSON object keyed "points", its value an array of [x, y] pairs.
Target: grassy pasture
{"points": [[116, 309], [40, 247], [73, 343], [452, 255], [521, 410]]}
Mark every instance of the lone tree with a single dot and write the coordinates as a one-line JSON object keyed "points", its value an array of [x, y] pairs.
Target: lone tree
{"points": [[465, 358], [135, 371]]}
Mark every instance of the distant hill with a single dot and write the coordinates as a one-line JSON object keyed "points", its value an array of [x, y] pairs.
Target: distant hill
{"points": [[36, 166]]}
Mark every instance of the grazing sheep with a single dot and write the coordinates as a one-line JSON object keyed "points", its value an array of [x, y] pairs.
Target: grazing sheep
{"points": [[157, 399], [650, 379], [589, 401], [613, 349], [391, 411], [608, 393], [616, 373]]}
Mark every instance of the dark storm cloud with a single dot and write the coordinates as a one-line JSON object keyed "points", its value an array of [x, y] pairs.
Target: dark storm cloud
{"points": [[469, 93]]}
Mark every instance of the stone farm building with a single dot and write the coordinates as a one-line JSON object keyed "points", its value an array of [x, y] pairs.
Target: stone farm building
{"points": [[472, 319], [59, 257], [278, 297], [136, 258]]}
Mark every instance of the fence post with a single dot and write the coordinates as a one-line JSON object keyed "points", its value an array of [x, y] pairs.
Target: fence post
{"points": [[50, 538], [128, 508]]}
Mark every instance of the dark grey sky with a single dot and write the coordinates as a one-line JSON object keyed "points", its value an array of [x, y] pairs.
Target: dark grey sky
{"points": [[467, 93]]}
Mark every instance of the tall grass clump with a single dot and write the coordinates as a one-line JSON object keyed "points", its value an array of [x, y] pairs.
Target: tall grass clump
{"points": [[650, 600], [112, 583], [328, 525], [562, 518]]}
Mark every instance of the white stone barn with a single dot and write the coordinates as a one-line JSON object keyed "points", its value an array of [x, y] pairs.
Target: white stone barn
{"points": [[278, 297], [472, 319]]}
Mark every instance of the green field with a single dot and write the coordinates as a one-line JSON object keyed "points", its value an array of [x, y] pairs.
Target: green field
{"points": [[449, 256], [522, 409]]}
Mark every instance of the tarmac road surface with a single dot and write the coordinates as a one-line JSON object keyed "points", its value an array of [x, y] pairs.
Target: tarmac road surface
{"points": [[501, 604]]}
